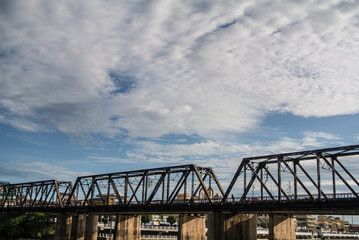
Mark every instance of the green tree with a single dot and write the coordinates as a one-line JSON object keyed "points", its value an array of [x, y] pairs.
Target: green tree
{"points": [[29, 225], [264, 224], [145, 218], [171, 219]]}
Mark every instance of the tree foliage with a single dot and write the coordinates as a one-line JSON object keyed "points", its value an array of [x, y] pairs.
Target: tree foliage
{"points": [[145, 218], [264, 224], [171, 219], [27, 225]]}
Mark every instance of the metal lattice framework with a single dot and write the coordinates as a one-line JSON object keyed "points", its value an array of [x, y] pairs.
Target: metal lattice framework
{"points": [[166, 186], [35, 195], [317, 175], [316, 181]]}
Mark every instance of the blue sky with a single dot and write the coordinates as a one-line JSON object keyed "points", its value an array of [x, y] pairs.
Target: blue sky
{"points": [[109, 86]]}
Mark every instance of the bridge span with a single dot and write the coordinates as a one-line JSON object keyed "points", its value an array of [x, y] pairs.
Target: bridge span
{"points": [[321, 181]]}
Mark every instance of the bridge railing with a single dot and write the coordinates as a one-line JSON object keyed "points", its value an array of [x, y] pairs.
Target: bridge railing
{"points": [[290, 198]]}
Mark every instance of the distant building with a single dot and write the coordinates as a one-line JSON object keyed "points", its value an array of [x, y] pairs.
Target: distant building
{"points": [[181, 196], [161, 220], [307, 223], [332, 224], [354, 228]]}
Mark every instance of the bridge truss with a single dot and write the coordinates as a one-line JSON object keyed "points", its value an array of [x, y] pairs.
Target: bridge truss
{"points": [[313, 181], [143, 188], [321, 176], [35, 195]]}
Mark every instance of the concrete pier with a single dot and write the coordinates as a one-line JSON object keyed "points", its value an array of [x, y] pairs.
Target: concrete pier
{"points": [[78, 227], [91, 227], [282, 227], [63, 226], [223, 226], [128, 227], [192, 227]]}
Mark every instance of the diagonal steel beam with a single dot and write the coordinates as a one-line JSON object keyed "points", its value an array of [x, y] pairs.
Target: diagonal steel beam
{"points": [[114, 187], [179, 185], [255, 175], [312, 181], [159, 182], [341, 177], [234, 180], [202, 183], [298, 179], [135, 191], [275, 181]]}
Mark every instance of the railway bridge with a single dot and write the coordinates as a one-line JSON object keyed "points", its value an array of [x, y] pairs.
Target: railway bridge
{"points": [[321, 181]]}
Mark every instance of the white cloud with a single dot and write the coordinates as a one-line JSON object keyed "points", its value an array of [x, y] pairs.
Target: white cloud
{"points": [[219, 154], [40, 171], [198, 67], [318, 139]]}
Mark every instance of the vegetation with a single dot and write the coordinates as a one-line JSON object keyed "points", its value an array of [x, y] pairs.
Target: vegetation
{"points": [[171, 219], [263, 224], [145, 219], [27, 225]]}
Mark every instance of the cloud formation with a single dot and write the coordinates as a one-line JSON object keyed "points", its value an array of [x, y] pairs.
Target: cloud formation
{"points": [[150, 68]]}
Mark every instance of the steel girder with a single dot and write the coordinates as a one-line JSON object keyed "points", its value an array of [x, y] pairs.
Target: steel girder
{"points": [[317, 175], [315, 180], [185, 184], [36, 195]]}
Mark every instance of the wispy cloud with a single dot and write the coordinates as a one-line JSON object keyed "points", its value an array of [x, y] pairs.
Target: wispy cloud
{"points": [[39, 171], [226, 154]]}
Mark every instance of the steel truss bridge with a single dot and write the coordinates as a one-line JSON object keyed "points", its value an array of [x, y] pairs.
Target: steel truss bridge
{"points": [[311, 182]]}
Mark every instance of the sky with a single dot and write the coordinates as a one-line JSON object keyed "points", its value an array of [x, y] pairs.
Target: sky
{"points": [[91, 87]]}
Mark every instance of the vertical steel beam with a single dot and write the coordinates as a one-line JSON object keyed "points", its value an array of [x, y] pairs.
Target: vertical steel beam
{"points": [[126, 189], [192, 187], [108, 192], [280, 159], [168, 186], [185, 191], [164, 188], [318, 178], [333, 178], [295, 182], [261, 187], [245, 176]]}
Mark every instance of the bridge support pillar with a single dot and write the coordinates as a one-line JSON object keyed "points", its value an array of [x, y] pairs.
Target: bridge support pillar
{"points": [[192, 227], [91, 227], [128, 227], [63, 226], [223, 226], [282, 227], [78, 227]]}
